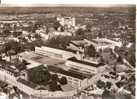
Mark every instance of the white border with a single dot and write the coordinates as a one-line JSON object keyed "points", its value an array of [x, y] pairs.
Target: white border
{"points": [[30, 2], [103, 3]]}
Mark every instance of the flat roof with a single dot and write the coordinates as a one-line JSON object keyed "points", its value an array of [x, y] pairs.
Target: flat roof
{"points": [[67, 87], [69, 50], [106, 41], [10, 69], [28, 83], [73, 59], [41, 59], [65, 72], [48, 60], [79, 43], [53, 50]]}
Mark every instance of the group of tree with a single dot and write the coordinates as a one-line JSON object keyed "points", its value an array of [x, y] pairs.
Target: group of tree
{"points": [[39, 75], [42, 76], [90, 51], [127, 53], [21, 65], [55, 83], [58, 42], [11, 48], [56, 25]]}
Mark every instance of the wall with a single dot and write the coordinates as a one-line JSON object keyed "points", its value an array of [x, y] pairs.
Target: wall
{"points": [[75, 82], [52, 52], [9, 78], [82, 66]]}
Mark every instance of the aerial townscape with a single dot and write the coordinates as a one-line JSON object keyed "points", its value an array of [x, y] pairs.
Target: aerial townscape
{"points": [[67, 52]]}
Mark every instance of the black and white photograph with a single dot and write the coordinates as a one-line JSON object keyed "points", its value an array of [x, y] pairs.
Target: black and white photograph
{"points": [[68, 51]]}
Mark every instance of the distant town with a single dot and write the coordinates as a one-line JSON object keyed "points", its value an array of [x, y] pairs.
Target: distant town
{"points": [[67, 55]]}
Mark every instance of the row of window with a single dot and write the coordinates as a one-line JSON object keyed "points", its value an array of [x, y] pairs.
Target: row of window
{"points": [[12, 74]]}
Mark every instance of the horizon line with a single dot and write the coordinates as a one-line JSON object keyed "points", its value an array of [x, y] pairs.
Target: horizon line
{"points": [[67, 5]]}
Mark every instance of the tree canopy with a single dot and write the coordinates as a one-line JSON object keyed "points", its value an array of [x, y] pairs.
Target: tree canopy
{"points": [[39, 75]]}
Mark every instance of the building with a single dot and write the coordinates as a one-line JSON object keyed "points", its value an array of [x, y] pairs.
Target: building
{"points": [[3, 96], [68, 21], [78, 73], [83, 66], [84, 49], [30, 88], [77, 45], [52, 52], [102, 43], [57, 33], [61, 62], [74, 78]]}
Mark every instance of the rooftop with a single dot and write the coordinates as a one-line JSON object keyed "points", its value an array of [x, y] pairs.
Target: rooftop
{"points": [[79, 43], [84, 62], [10, 69], [53, 50], [47, 60], [106, 41], [33, 57], [68, 73], [67, 87], [28, 83]]}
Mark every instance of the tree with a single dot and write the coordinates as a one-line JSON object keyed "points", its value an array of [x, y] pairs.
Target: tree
{"points": [[21, 66], [29, 46], [56, 25], [107, 95], [59, 87], [53, 86], [1, 58], [6, 47], [37, 36], [119, 59], [63, 80], [127, 53], [24, 62], [131, 55], [37, 42], [17, 47], [6, 32], [80, 32], [58, 42], [39, 75], [17, 33], [54, 77], [10, 53], [100, 34], [88, 28], [100, 84], [90, 51], [12, 45]]}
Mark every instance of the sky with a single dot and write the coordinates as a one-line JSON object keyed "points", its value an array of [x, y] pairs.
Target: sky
{"points": [[78, 2]]}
